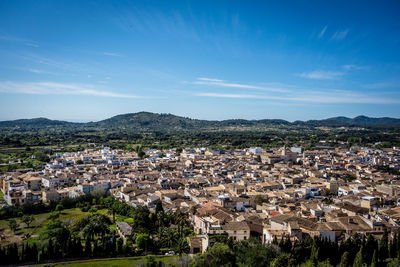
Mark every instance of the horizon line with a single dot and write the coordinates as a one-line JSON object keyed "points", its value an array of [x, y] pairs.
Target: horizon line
{"points": [[162, 113]]}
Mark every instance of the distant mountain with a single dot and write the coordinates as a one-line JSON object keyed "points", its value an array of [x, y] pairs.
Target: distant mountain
{"points": [[147, 121], [34, 123], [367, 121]]}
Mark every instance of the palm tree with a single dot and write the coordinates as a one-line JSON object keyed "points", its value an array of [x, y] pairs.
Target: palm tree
{"points": [[182, 246], [113, 210]]}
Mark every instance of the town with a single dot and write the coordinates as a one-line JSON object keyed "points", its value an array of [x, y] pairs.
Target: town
{"points": [[333, 193]]}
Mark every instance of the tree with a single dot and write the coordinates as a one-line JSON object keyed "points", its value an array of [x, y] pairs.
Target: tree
{"points": [[370, 247], [218, 255], [12, 223], [41, 156], [358, 261], [141, 219], [374, 261], [182, 246], [344, 262], [28, 219], [59, 208], [159, 207], [394, 263], [383, 248], [282, 261], [252, 253], [113, 209], [259, 200], [88, 247], [393, 248], [143, 242], [193, 209], [95, 225]]}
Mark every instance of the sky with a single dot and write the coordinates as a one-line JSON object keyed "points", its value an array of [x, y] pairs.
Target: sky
{"points": [[293, 60]]}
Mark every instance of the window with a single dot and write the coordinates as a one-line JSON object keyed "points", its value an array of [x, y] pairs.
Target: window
{"points": [[245, 238]]}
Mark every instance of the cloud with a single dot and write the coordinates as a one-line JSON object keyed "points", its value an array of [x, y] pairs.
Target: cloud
{"points": [[222, 83], [228, 95], [53, 88], [321, 75], [381, 85], [322, 32], [340, 35], [326, 97], [39, 71], [355, 67], [38, 59], [111, 54], [6, 37], [210, 80]]}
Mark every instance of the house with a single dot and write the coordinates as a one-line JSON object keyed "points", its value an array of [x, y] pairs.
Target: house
{"points": [[237, 230], [124, 230]]}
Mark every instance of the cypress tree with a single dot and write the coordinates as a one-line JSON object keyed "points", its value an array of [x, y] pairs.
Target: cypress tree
{"points": [[120, 246], [69, 251], [393, 249], [398, 244], [314, 255], [374, 261], [34, 253], [43, 255], [50, 250], [15, 253], [96, 249], [2, 256], [344, 262], [383, 249], [370, 247], [78, 250], [358, 261], [24, 252], [88, 247], [114, 245]]}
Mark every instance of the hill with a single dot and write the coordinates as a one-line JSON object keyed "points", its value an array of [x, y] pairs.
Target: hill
{"points": [[147, 121]]}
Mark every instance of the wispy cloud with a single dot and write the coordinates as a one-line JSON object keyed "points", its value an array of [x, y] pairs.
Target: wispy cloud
{"points": [[327, 97], [322, 32], [135, 19], [53, 88], [380, 85], [38, 59], [219, 95], [222, 83], [111, 54], [321, 75], [210, 80], [340, 35], [355, 67], [6, 37], [37, 71]]}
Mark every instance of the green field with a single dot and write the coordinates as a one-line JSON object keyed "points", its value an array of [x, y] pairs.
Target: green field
{"points": [[123, 262]]}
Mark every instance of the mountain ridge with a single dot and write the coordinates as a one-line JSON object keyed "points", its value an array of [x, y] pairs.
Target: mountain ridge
{"points": [[159, 121]]}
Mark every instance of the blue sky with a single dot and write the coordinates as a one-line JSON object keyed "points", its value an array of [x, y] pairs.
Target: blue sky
{"points": [[293, 60]]}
